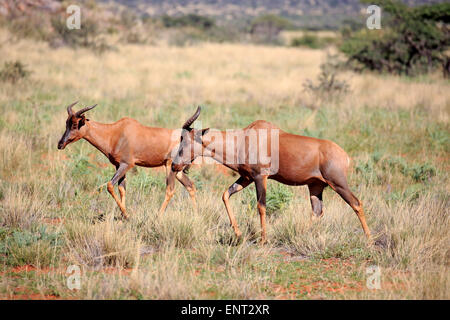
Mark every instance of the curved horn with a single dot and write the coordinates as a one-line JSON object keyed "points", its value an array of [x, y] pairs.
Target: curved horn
{"points": [[69, 108], [80, 112], [191, 120]]}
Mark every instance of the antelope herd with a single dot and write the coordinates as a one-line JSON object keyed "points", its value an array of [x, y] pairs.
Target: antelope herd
{"points": [[258, 152]]}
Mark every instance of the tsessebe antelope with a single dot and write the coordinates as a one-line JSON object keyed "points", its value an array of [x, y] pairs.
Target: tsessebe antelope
{"points": [[299, 161], [127, 143]]}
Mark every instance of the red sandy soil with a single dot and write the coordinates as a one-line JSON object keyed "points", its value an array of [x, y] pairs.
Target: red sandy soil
{"points": [[30, 268], [22, 293], [294, 289], [53, 221], [122, 272], [333, 263], [31, 296], [54, 156]]}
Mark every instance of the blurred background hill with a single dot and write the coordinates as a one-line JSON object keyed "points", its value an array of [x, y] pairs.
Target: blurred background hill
{"points": [[312, 14], [414, 38]]}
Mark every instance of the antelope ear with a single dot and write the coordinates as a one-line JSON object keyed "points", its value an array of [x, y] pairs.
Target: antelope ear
{"points": [[81, 122], [205, 131]]}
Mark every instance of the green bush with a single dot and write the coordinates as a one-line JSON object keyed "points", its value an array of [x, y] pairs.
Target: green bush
{"points": [[35, 246], [190, 20], [278, 197], [422, 172], [307, 40], [375, 170], [312, 41]]}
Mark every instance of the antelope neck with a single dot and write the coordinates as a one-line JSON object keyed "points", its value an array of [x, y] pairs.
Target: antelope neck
{"points": [[99, 135]]}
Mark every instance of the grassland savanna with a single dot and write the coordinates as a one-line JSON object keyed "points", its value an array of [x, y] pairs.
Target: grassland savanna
{"points": [[395, 129]]}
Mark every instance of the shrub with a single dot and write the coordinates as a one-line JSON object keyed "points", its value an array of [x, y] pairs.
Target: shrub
{"points": [[128, 19], [186, 37], [311, 41], [133, 37], [278, 197], [87, 36], [35, 247], [13, 71], [175, 229], [101, 245], [190, 20], [423, 172], [307, 40], [266, 28], [20, 208], [328, 86], [376, 171], [34, 26]]}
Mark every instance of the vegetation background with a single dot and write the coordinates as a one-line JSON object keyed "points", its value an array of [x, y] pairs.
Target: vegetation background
{"points": [[157, 67]]}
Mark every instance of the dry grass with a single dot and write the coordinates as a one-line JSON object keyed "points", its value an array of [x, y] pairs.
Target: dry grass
{"points": [[187, 254]]}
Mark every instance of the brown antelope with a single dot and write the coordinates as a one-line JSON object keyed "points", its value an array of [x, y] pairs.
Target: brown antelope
{"points": [[296, 160], [127, 143]]}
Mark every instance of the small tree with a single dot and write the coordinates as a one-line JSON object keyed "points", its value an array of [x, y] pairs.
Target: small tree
{"points": [[189, 20], [328, 87], [266, 28], [412, 41]]}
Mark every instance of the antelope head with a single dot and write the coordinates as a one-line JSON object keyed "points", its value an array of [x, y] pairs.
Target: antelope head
{"points": [[75, 129], [186, 152]]}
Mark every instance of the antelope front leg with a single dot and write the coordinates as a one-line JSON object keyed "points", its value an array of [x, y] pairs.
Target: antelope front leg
{"points": [[122, 189], [120, 173], [184, 180], [170, 188], [261, 187], [239, 185]]}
